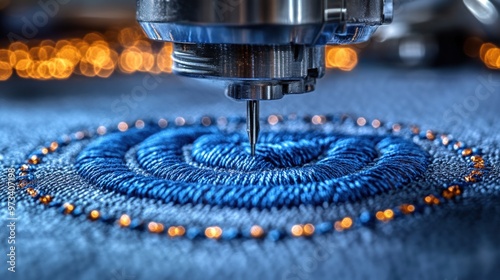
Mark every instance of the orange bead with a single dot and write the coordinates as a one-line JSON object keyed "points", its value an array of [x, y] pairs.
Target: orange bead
{"points": [[68, 208], [407, 209], [213, 232], [477, 159], [124, 220], [346, 223], [308, 229], [470, 179], [32, 192], [34, 160], [376, 123], [94, 215], [431, 200], [457, 145], [396, 127], [297, 230], [457, 190], [380, 216], [317, 120], [122, 126], [389, 214], [452, 192], [155, 227], [445, 140], [430, 135], [467, 152], [447, 194], [176, 231], [53, 146], [361, 121], [24, 167], [45, 199], [256, 232]]}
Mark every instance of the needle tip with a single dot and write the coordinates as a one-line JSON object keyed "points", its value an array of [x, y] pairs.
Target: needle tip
{"points": [[253, 124]]}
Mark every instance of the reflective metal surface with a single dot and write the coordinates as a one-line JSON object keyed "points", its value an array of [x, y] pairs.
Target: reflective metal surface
{"points": [[248, 62], [253, 125], [261, 21], [264, 48], [268, 42]]}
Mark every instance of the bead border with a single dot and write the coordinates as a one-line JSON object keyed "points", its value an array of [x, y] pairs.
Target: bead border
{"points": [[477, 168]]}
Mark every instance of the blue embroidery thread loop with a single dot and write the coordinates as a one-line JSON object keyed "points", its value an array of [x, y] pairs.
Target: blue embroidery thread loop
{"points": [[201, 165]]}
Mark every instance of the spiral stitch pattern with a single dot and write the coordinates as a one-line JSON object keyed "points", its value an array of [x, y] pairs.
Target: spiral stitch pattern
{"points": [[204, 165]]}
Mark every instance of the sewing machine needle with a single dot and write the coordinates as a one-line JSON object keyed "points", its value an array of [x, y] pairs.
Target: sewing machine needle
{"points": [[253, 126]]}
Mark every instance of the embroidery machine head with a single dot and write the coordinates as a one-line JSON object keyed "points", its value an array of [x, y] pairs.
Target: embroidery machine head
{"points": [[265, 49]]}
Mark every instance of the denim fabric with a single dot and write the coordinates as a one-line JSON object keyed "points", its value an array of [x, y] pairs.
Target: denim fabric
{"points": [[456, 241]]}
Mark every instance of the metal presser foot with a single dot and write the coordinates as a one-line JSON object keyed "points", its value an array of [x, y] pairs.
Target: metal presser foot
{"points": [[265, 49]]}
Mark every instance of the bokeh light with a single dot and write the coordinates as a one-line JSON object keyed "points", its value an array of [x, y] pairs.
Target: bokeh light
{"points": [[343, 58], [94, 55], [128, 51], [490, 55], [164, 63]]}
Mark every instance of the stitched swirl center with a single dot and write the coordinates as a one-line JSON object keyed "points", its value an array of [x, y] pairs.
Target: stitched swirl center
{"points": [[274, 151], [208, 166]]}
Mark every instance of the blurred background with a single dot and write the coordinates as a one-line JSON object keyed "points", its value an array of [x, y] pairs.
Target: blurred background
{"points": [[97, 39]]}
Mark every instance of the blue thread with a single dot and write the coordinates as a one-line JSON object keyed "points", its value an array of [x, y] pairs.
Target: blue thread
{"points": [[230, 233], [202, 165], [193, 233], [365, 218], [324, 227], [275, 235]]}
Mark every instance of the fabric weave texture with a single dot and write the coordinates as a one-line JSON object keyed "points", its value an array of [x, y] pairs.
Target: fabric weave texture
{"points": [[458, 240]]}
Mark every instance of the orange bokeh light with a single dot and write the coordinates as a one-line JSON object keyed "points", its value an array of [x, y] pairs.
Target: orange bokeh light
{"points": [[5, 71], [484, 49], [131, 60], [492, 58], [164, 58], [343, 58], [94, 55]]}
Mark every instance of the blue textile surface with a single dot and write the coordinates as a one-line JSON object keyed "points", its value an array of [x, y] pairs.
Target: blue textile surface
{"points": [[458, 240]]}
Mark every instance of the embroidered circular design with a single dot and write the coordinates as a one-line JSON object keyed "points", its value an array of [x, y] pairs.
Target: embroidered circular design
{"points": [[391, 154], [201, 165]]}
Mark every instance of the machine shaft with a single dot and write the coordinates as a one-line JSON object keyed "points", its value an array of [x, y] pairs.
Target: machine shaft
{"points": [[253, 125], [264, 49]]}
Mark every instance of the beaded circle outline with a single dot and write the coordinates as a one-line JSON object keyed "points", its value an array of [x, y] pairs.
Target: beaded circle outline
{"points": [[473, 156]]}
